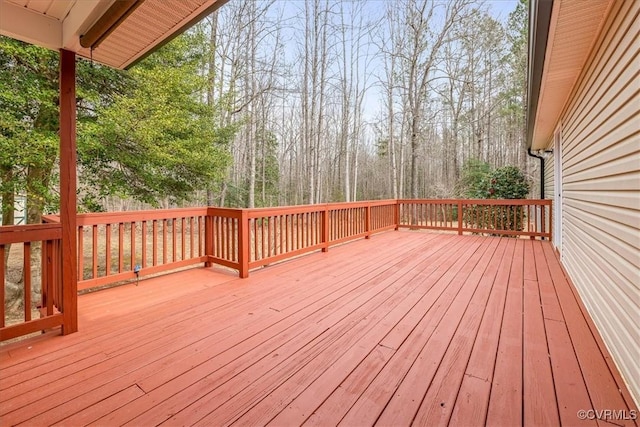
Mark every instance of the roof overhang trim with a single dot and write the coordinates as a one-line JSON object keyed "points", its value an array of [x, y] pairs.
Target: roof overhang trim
{"points": [[539, 23], [121, 44]]}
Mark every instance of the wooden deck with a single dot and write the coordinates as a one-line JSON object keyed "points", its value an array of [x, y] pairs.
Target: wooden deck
{"points": [[407, 327]]}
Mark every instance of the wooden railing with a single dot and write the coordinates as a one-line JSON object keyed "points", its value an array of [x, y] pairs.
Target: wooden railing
{"points": [[34, 266], [223, 237], [519, 217], [112, 247], [249, 238], [121, 246]]}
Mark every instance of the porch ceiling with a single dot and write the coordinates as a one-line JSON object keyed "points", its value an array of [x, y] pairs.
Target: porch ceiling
{"points": [[572, 31], [59, 24]]}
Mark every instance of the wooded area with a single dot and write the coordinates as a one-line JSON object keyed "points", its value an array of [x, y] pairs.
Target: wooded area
{"points": [[268, 103]]}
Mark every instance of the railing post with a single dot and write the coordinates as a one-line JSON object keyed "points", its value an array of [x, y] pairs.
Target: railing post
{"points": [[551, 221], [325, 229], [68, 202], [367, 222], [396, 215], [243, 243], [208, 238], [460, 217]]}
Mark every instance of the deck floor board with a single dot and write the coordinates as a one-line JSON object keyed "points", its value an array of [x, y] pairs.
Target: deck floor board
{"points": [[405, 327]]}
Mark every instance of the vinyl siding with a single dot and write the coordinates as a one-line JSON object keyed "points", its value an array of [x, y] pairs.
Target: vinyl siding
{"points": [[601, 188], [549, 188]]}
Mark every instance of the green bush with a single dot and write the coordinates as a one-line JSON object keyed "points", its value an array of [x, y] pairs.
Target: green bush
{"points": [[507, 182], [480, 182]]}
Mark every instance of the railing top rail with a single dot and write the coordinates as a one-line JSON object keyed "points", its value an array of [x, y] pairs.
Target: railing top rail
{"points": [[294, 209], [131, 216], [542, 202], [29, 233], [224, 212], [147, 215]]}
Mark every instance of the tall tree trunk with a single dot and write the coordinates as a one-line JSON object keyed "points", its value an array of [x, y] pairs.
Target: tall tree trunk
{"points": [[211, 69]]}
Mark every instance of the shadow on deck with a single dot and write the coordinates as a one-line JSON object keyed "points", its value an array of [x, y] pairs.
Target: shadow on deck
{"points": [[407, 327]]}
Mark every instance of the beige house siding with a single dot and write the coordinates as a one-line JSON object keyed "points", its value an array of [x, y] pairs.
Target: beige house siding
{"points": [[549, 189], [601, 188]]}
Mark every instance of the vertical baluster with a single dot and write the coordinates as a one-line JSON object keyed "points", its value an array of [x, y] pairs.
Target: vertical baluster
{"points": [[253, 227], [183, 230], [227, 238], [231, 241], [44, 277], [107, 250], [280, 234], [203, 228], [199, 221], [348, 219], [294, 232], [53, 250], [303, 229], [144, 244], [191, 240], [218, 236], [174, 241], [234, 239], [345, 223], [222, 237], [164, 241], [270, 244], [288, 233], [263, 254], [154, 242], [120, 247], [133, 246], [27, 280], [94, 252], [80, 252]]}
